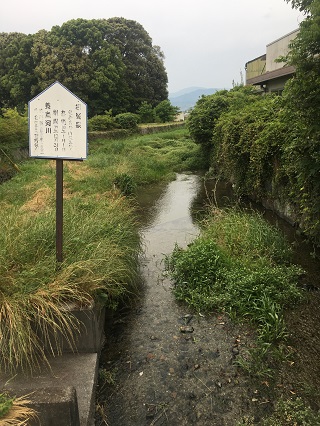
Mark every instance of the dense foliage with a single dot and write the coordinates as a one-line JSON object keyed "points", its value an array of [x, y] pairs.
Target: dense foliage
{"points": [[107, 63], [269, 146], [237, 262], [302, 5], [204, 116], [165, 111], [13, 130], [302, 96], [247, 145]]}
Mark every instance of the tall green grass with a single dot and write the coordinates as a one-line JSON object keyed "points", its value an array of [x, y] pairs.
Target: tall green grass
{"points": [[101, 239], [148, 158], [239, 265], [101, 245]]}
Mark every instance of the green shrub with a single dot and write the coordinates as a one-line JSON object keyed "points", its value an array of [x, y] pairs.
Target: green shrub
{"points": [[101, 122], [146, 113], [202, 119], [13, 130], [165, 111], [127, 120]]}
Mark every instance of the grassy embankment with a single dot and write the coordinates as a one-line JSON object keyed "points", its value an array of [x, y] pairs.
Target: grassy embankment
{"points": [[240, 265], [101, 239]]}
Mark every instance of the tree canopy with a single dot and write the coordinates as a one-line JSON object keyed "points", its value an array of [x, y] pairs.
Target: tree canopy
{"points": [[110, 64], [302, 5]]}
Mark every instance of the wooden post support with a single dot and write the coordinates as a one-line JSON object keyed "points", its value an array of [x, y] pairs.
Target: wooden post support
{"points": [[59, 209]]}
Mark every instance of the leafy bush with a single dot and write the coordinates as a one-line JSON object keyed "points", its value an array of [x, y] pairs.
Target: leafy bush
{"points": [[202, 119], [165, 111], [102, 122], [146, 113], [127, 120], [13, 130]]}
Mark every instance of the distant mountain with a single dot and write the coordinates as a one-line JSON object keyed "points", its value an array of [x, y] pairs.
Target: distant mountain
{"points": [[187, 98]]}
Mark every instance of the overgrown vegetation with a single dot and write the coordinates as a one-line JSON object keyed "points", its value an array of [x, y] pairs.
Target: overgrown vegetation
{"points": [[164, 112], [240, 265], [101, 240], [288, 412], [264, 149], [268, 146]]}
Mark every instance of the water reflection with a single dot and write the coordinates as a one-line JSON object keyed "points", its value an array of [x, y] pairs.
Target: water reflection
{"points": [[169, 217]]}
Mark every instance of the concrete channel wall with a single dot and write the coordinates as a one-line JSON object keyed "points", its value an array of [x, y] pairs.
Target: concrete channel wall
{"points": [[63, 391]]}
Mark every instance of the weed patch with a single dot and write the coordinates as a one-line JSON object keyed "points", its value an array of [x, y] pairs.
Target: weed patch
{"points": [[240, 265]]}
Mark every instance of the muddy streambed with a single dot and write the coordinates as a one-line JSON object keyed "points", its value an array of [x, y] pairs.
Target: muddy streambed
{"points": [[162, 364]]}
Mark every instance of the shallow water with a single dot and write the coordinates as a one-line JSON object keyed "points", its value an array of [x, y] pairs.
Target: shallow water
{"points": [[162, 375], [158, 375]]}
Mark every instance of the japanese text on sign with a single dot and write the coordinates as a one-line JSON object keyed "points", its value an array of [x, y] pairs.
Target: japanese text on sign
{"points": [[57, 124]]}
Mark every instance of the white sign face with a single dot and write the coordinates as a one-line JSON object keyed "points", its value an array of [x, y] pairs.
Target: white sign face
{"points": [[57, 125]]}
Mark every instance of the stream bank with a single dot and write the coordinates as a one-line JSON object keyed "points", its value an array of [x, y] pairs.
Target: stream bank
{"points": [[163, 365]]}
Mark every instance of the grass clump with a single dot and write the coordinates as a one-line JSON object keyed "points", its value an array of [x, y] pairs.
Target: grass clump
{"points": [[15, 410], [292, 412], [288, 412], [239, 265], [101, 245]]}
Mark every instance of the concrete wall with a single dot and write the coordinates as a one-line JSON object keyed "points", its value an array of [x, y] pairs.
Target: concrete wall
{"points": [[277, 48], [256, 67]]}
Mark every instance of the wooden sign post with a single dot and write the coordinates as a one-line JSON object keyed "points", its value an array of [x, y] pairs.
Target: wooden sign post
{"points": [[58, 130]]}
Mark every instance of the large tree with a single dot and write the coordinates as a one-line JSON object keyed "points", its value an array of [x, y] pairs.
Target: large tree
{"points": [[16, 70], [145, 73], [76, 55], [110, 64]]}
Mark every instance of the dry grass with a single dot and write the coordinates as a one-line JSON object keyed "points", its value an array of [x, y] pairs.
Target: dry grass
{"points": [[39, 201], [20, 413]]}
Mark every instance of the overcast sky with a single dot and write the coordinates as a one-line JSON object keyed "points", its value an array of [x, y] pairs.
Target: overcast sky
{"points": [[206, 42]]}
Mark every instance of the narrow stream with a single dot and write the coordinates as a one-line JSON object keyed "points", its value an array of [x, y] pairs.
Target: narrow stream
{"points": [[156, 373], [160, 374]]}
